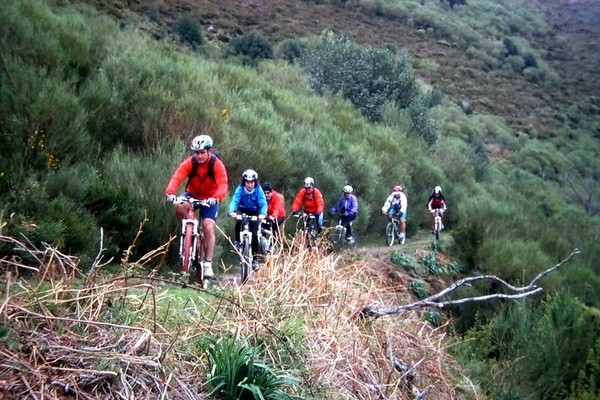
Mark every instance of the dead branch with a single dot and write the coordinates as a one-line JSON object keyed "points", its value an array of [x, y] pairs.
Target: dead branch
{"points": [[373, 310]]}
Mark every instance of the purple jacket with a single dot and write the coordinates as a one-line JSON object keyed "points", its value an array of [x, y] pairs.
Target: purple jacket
{"points": [[345, 205]]}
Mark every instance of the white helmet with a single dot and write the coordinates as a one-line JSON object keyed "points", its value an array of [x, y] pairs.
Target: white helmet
{"points": [[438, 189], [348, 189], [250, 175], [309, 182], [201, 142]]}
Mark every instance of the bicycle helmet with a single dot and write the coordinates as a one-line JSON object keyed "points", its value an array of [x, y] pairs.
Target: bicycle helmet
{"points": [[201, 142], [437, 190], [250, 175], [397, 188], [348, 189], [309, 182]]}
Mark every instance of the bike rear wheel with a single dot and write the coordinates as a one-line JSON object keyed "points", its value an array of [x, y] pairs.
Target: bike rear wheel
{"points": [[390, 233], [186, 254], [246, 260]]}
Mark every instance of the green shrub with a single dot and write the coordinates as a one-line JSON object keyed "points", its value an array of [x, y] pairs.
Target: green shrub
{"points": [[289, 50], [511, 47], [188, 30], [419, 288], [254, 45], [237, 373], [371, 78]]}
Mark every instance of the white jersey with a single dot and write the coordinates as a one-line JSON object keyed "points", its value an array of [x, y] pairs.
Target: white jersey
{"points": [[392, 201]]}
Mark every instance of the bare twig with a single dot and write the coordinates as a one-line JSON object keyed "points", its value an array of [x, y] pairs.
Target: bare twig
{"points": [[373, 310]]}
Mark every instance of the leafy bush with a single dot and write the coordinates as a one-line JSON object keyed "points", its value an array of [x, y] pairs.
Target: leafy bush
{"points": [[188, 30], [289, 50], [254, 45], [371, 78], [511, 47], [236, 373]]}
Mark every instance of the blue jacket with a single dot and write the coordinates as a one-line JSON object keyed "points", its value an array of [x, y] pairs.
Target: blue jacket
{"points": [[253, 203], [346, 205]]}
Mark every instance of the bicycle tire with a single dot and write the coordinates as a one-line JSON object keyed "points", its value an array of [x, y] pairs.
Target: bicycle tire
{"points": [[186, 254], [390, 233], [246, 260], [438, 227]]}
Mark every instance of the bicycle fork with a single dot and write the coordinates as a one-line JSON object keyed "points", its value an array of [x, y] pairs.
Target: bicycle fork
{"points": [[194, 249]]}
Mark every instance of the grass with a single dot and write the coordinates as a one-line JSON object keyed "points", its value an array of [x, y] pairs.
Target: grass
{"points": [[298, 313]]}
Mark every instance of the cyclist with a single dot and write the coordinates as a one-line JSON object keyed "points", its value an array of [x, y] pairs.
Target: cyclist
{"points": [[436, 201], [347, 206], [202, 184], [249, 199], [311, 200], [276, 207], [397, 203]]}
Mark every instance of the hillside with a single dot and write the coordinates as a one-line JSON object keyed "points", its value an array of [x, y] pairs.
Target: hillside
{"points": [[97, 112], [570, 47]]}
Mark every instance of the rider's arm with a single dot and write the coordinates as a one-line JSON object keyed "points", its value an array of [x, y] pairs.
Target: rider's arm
{"points": [[319, 200], [180, 174], [262, 202], [387, 204], [235, 199], [277, 206], [403, 203], [354, 207], [297, 203], [221, 179]]}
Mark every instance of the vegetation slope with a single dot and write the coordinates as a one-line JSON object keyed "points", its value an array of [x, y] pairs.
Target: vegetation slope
{"points": [[97, 109]]}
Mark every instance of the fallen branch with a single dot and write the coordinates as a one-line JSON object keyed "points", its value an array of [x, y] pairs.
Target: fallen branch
{"points": [[373, 309]]}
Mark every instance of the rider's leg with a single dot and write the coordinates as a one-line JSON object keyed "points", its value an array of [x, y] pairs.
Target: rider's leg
{"points": [[181, 211], [209, 245]]}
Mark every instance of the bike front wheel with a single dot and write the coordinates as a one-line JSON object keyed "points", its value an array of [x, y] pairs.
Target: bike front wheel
{"points": [[390, 234], [246, 260], [187, 250]]}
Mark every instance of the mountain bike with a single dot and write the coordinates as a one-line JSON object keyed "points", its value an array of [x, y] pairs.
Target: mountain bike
{"points": [[437, 223], [191, 239], [245, 245], [338, 237], [392, 231], [308, 228]]}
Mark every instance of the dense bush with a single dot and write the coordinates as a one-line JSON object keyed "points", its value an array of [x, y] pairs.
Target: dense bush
{"points": [[371, 78], [188, 30], [254, 45]]}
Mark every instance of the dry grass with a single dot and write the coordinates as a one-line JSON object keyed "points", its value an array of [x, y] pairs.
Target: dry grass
{"points": [[64, 338]]}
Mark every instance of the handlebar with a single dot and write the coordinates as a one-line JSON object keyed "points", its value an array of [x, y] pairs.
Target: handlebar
{"points": [[242, 216], [194, 202]]}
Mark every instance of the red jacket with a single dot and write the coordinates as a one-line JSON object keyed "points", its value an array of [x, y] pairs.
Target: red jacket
{"points": [[276, 206], [201, 186], [312, 202]]}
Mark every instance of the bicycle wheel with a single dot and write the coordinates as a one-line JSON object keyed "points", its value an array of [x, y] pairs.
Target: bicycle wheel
{"points": [[246, 260], [186, 251], [438, 227], [390, 233]]}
